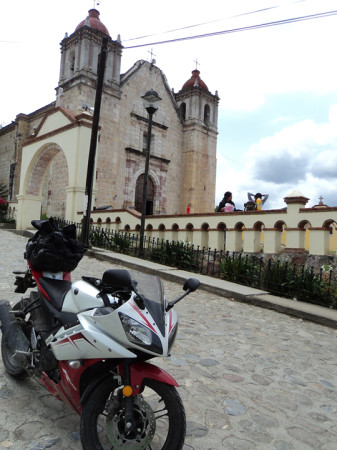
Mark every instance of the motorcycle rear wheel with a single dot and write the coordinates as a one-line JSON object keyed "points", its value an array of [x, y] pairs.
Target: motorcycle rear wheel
{"points": [[12, 366], [159, 416]]}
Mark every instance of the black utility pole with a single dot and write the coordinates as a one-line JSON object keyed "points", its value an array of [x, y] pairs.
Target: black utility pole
{"points": [[93, 142]]}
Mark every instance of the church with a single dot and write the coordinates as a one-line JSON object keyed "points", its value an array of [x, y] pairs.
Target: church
{"points": [[44, 154]]}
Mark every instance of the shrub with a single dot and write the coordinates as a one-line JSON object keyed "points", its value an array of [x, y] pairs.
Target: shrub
{"points": [[176, 254], [239, 270]]}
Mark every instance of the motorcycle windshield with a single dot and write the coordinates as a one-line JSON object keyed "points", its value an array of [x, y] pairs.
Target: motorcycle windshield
{"points": [[151, 290]]}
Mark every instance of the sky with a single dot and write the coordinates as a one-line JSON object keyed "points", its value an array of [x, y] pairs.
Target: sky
{"points": [[277, 84]]}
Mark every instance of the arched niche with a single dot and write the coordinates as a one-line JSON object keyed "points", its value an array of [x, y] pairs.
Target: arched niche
{"points": [[205, 226], [239, 226], [182, 110], [221, 226], [207, 114], [258, 226]]}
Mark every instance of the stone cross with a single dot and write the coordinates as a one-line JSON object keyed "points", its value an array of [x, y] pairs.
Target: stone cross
{"points": [[152, 60], [197, 63]]}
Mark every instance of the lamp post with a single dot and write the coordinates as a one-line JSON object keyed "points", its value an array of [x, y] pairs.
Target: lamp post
{"points": [[150, 99]]}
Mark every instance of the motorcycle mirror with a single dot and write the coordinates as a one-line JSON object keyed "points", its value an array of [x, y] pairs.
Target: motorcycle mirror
{"points": [[191, 284]]}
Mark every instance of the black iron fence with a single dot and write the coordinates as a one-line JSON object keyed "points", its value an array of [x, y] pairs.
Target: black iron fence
{"points": [[297, 282]]}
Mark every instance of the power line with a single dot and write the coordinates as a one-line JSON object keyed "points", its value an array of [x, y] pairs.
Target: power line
{"points": [[236, 30], [212, 21]]}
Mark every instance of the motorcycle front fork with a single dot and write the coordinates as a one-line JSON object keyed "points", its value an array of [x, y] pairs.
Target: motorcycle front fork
{"points": [[128, 398]]}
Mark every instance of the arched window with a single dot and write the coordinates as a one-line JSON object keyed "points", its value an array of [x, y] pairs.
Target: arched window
{"points": [[72, 61], [139, 195], [183, 111], [207, 114]]}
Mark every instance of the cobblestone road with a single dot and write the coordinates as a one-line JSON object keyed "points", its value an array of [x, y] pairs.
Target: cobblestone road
{"points": [[250, 378]]}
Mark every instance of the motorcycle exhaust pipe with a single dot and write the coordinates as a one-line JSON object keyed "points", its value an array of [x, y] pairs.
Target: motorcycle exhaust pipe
{"points": [[15, 338]]}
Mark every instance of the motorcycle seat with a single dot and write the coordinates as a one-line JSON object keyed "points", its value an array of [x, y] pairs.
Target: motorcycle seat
{"points": [[56, 290]]}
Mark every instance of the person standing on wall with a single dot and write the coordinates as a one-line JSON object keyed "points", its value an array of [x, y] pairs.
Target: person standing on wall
{"points": [[259, 199]]}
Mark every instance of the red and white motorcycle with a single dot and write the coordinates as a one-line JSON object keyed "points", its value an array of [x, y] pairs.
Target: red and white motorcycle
{"points": [[89, 342]]}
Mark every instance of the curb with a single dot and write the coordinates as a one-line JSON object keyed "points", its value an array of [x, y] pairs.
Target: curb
{"points": [[302, 310]]}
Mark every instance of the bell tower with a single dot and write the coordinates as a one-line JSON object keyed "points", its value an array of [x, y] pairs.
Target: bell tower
{"points": [[78, 69], [199, 113]]}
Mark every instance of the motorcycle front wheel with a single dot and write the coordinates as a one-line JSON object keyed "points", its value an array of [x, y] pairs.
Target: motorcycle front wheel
{"points": [[160, 422]]}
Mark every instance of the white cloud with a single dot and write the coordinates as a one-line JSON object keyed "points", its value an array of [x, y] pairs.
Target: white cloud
{"points": [[302, 156], [243, 67], [325, 165]]}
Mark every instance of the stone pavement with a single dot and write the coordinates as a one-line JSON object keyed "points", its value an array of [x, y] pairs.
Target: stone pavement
{"points": [[250, 378]]}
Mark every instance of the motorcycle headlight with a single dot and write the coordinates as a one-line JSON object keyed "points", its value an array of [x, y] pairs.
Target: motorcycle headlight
{"points": [[135, 331], [140, 335]]}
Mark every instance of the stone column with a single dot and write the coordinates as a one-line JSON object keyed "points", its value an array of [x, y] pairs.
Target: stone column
{"points": [[295, 239], [75, 202], [198, 238], [216, 239], [29, 208], [319, 241], [272, 240], [295, 202], [251, 240], [234, 240]]}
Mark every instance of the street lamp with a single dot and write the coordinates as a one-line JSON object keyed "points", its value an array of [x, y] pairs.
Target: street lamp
{"points": [[150, 99]]}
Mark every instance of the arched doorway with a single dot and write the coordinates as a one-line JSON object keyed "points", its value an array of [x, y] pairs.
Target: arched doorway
{"points": [[139, 195], [48, 178], [54, 153]]}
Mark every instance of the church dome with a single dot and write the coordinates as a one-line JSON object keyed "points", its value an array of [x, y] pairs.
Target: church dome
{"points": [[94, 22], [195, 81]]}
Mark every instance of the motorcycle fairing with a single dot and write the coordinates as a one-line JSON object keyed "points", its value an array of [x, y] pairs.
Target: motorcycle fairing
{"points": [[67, 389], [82, 295], [141, 370], [110, 326], [80, 343]]}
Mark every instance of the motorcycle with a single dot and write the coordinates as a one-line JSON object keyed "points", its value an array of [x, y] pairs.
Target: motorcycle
{"points": [[89, 342]]}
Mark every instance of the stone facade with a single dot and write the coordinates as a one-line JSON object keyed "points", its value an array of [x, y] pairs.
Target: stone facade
{"points": [[182, 167]]}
